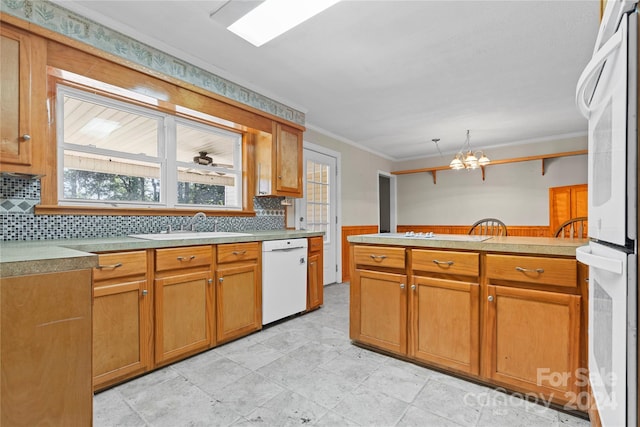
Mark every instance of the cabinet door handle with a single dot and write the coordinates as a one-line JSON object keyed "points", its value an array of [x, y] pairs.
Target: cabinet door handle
{"points": [[401, 285], [144, 292], [26, 137], [435, 261], [239, 252], [490, 298], [376, 257], [210, 281], [181, 258], [221, 279], [112, 266], [413, 287], [527, 270]]}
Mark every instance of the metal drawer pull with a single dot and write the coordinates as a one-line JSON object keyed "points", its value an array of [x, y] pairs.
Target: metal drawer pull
{"points": [[401, 285], [490, 298], [144, 292], [526, 270], [112, 266], [181, 258], [239, 252], [435, 261], [380, 257]]}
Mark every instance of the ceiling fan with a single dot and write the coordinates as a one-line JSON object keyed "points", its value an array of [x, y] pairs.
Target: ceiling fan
{"points": [[205, 160]]}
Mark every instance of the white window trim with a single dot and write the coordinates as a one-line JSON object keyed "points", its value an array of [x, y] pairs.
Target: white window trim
{"points": [[166, 154]]}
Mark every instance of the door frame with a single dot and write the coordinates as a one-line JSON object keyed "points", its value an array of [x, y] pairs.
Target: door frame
{"points": [[338, 188]]}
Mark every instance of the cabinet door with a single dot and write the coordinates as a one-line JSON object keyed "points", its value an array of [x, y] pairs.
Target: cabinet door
{"points": [[315, 288], [121, 331], [238, 301], [533, 341], [379, 310], [288, 161], [565, 203], [183, 314], [15, 96], [445, 323]]}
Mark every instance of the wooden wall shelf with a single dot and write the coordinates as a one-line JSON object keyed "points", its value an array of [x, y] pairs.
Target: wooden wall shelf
{"points": [[541, 157]]}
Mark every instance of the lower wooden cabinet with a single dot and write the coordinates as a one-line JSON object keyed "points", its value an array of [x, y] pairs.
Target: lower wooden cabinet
{"points": [[184, 297], [379, 310], [444, 308], [154, 307], [315, 279], [514, 321], [238, 291], [46, 349], [445, 327], [533, 341], [122, 318]]}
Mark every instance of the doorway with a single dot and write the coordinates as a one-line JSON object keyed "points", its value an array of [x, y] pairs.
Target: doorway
{"points": [[387, 222], [318, 209]]}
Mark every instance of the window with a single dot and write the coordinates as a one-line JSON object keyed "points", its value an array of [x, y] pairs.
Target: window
{"points": [[318, 202], [115, 153]]}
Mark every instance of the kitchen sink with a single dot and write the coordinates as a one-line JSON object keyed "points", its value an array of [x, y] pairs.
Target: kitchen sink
{"points": [[177, 235]]}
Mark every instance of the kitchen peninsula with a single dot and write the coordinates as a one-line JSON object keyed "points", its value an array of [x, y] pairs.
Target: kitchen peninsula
{"points": [[506, 311]]}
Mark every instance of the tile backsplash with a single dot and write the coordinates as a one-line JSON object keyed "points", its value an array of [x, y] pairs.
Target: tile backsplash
{"points": [[18, 196]]}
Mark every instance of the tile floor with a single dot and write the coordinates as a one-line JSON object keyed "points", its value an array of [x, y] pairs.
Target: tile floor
{"points": [[305, 371]]}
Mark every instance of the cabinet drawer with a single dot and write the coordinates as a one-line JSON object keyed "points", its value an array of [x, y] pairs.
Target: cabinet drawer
{"points": [[120, 264], [379, 256], [186, 257], [548, 271], [315, 244], [238, 252], [446, 262]]}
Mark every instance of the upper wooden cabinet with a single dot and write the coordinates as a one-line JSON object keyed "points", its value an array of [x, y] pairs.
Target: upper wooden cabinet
{"points": [[565, 203], [279, 162], [23, 102]]}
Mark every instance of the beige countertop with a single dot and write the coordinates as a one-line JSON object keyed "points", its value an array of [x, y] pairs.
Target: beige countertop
{"points": [[515, 244], [46, 256]]}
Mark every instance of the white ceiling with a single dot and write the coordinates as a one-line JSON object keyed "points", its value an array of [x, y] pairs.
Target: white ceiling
{"points": [[392, 75]]}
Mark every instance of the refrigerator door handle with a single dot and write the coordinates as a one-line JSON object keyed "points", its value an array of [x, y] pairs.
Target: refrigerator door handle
{"points": [[591, 70], [584, 255]]}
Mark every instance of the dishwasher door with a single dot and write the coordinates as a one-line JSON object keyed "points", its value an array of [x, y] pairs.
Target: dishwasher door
{"points": [[284, 278]]}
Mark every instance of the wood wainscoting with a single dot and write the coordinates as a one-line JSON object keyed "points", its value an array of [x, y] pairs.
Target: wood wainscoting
{"points": [[512, 230], [352, 230]]}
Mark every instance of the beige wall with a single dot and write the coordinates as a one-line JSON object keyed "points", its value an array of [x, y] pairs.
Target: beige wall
{"points": [[359, 179], [516, 192]]}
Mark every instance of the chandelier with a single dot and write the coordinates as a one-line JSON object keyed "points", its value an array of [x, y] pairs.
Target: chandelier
{"points": [[466, 158]]}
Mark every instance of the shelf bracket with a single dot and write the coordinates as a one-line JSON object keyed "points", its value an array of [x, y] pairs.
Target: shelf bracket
{"points": [[482, 168], [434, 176], [543, 159]]}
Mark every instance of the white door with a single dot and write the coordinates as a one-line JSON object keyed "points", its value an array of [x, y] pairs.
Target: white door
{"points": [[317, 210]]}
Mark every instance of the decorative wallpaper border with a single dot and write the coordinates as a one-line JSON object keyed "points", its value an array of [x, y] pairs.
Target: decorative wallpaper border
{"points": [[62, 21]]}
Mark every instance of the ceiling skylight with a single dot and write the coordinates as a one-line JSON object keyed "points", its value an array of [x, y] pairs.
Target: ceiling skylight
{"points": [[274, 17]]}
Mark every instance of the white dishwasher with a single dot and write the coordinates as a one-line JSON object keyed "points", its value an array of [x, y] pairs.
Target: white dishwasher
{"points": [[284, 278]]}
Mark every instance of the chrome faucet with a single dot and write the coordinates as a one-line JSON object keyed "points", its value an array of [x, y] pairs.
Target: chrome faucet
{"points": [[192, 222]]}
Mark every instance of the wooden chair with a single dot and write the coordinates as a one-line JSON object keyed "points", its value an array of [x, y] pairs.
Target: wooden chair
{"points": [[488, 227], [573, 228]]}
